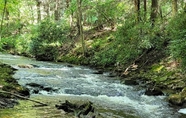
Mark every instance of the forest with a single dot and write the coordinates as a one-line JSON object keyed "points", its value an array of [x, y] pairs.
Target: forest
{"points": [[139, 40]]}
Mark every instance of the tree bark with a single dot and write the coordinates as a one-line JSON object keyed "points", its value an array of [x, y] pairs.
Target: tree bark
{"points": [[145, 9], [3, 15], [56, 11], [184, 6], [154, 11], [174, 7], [47, 8], [38, 10], [137, 9], [80, 26]]}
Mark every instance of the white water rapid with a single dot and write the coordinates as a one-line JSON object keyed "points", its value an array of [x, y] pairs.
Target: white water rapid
{"points": [[80, 82]]}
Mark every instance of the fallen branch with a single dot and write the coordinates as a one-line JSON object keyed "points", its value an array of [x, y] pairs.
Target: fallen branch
{"points": [[43, 104]]}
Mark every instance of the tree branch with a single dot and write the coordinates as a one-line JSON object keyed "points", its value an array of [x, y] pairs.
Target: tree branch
{"points": [[19, 96]]}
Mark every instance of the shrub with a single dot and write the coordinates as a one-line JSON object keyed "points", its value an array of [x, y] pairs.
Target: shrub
{"points": [[47, 38], [7, 44], [177, 31], [128, 43]]}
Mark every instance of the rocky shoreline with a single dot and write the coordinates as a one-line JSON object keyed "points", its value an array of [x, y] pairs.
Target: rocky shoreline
{"points": [[157, 78], [9, 87]]}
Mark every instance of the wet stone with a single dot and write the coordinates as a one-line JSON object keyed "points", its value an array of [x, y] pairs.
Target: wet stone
{"points": [[81, 109], [130, 82], [34, 85], [153, 92]]}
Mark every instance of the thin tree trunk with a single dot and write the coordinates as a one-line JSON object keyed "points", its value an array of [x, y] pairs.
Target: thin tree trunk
{"points": [[137, 9], [154, 11], [38, 10], [174, 7], [47, 8], [145, 9], [56, 11], [185, 7], [182, 4], [80, 26], [3, 15], [70, 17]]}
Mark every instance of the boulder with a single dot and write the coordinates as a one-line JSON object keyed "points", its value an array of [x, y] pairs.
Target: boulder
{"points": [[176, 99], [82, 109], [153, 92]]}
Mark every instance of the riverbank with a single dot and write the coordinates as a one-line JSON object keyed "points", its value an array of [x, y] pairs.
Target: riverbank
{"points": [[9, 86], [153, 69], [78, 81]]}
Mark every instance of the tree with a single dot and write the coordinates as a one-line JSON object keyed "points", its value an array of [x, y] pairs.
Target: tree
{"points": [[80, 26], [47, 8], [154, 11], [145, 9], [38, 10], [137, 9], [56, 11], [3, 15], [174, 7], [184, 5]]}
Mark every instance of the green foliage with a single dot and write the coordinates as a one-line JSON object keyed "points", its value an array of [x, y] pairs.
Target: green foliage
{"points": [[47, 38], [7, 43], [177, 31], [16, 44], [128, 43], [71, 59]]}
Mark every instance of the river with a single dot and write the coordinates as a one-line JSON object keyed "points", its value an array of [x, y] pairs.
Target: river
{"points": [[78, 82]]}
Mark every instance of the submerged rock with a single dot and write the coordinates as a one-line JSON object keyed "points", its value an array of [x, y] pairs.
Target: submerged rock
{"points": [[26, 66], [36, 88], [98, 72], [35, 85], [69, 65], [130, 82]]}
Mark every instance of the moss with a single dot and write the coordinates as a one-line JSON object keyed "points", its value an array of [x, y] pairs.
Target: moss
{"points": [[8, 83], [70, 59], [176, 99]]}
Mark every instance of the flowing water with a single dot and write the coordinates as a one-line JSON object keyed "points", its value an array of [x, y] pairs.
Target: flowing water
{"points": [[80, 83]]}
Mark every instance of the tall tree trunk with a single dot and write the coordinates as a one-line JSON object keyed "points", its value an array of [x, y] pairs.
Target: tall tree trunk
{"points": [[38, 10], [3, 15], [154, 11], [7, 18], [174, 7], [184, 6], [56, 11], [71, 15], [47, 8], [137, 9], [145, 9], [80, 26]]}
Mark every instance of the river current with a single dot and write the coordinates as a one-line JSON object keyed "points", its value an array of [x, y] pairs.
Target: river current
{"points": [[81, 82]]}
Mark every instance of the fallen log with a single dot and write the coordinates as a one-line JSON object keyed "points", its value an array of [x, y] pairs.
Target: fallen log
{"points": [[22, 97]]}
